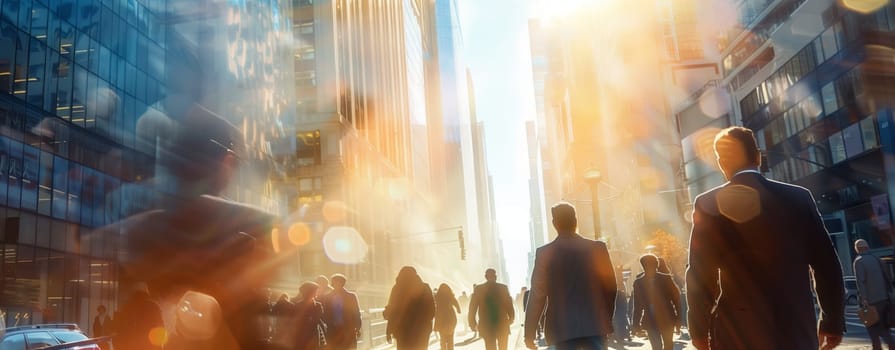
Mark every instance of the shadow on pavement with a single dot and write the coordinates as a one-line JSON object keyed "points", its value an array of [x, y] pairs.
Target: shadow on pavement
{"points": [[468, 341]]}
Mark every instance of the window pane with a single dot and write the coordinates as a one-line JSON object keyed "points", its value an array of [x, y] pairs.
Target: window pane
{"points": [[852, 138], [829, 43], [15, 342], [828, 94], [868, 133], [837, 148], [38, 340]]}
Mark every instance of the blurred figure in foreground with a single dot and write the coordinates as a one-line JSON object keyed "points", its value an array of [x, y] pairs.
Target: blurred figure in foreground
{"points": [[656, 304], [410, 311], [492, 302], [137, 319], [309, 327], [324, 289], [753, 237], [576, 275], [874, 289], [621, 331], [200, 241], [342, 316], [446, 310]]}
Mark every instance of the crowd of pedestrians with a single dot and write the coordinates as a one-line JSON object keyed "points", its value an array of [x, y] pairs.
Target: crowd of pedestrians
{"points": [[751, 239]]}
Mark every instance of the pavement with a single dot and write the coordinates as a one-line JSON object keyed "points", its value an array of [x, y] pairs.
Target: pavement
{"points": [[856, 338]]}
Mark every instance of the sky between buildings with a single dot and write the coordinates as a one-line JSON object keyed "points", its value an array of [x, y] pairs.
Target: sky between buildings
{"points": [[495, 34]]}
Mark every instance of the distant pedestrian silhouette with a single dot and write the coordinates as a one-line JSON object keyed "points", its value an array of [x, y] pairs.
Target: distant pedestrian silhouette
{"points": [[410, 311], [102, 325], [446, 310], [574, 284], [657, 304], [284, 314], [492, 302], [754, 245], [874, 288], [342, 315], [309, 327]]}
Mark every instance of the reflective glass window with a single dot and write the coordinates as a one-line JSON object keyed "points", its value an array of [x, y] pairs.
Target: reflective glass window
{"points": [[37, 340], [830, 102], [64, 72], [76, 179], [16, 166], [36, 73], [39, 22], [60, 187], [868, 133], [837, 148], [13, 342], [8, 39], [20, 74], [11, 11], [25, 15], [851, 136], [828, 41], [30, 177]]}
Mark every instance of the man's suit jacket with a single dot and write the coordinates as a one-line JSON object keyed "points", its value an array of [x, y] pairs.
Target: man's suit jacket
{"points": [[657, 302], [341, 315], [494, 306], [761, 238], [574, 275]]}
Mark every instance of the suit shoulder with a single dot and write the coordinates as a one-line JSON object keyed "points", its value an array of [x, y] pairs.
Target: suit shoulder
{"points": [[707, 201]]}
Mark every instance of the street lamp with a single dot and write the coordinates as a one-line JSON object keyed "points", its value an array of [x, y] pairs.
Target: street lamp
{"points": [[592, 176]]}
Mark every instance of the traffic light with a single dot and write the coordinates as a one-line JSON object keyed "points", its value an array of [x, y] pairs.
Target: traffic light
{"points": [[462, 245]]}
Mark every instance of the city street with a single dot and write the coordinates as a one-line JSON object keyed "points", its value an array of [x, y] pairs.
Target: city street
{"points": [[855, 339]]}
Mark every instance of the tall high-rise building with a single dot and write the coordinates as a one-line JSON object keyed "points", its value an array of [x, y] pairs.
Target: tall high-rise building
{"points": [[492, 255], [81, 82], [537, 222]]}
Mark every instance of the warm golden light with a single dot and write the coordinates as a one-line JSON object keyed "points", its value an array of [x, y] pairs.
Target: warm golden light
{"points": [[334, 211], [864, 6], [299, 234], [158, 336], [344, 245]]}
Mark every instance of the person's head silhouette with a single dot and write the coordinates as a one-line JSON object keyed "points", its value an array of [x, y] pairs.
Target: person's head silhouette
{"points": [[650, 264], [564, 218], [736, 150], [491, 275]]}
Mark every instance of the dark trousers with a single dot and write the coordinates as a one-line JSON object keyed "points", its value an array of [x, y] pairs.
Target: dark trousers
{"points": [[495, 341], [881, 328], [588, 343], [661, 338]]}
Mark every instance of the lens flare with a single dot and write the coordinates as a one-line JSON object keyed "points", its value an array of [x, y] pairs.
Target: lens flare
{"points": [[158, 336], [864, 6], [344, 245], [299, 234], [739, 203]]}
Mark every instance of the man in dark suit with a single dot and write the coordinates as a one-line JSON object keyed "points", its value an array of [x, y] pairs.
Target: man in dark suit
{"points": [[752, 249], [575, 276], [494, 306], [342, 316], [657, 304]]}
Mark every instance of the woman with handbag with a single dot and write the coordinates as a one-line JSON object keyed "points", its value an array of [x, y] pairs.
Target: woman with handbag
{"points": [[874, 288]]}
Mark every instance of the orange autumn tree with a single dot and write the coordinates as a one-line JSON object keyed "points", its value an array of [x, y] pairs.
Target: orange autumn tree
{"points": [[670, 248]]}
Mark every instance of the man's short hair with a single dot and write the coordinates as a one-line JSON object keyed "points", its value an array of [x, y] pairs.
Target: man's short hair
{"points": [[491, 271], [564, 217], [744, 137], [861, 245], [649, 260], [338, 279]]}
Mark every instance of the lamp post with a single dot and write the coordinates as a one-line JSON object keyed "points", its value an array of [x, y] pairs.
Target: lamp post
{"points": [[592, 176]]}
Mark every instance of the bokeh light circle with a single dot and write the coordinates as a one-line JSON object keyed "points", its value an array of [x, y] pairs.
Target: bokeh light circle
{"points": [[158, 336], [299, 234], [334, 211], [344, 245]]}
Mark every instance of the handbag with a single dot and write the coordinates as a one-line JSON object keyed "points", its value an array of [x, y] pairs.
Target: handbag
{"points": [[868, 315]]}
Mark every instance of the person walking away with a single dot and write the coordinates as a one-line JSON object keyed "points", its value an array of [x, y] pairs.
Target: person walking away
{"points": [[410, 311], [576, 275], [284, 313], [464, 306], [324, 290], [102, 325], [874, 288], [492, 302], [446, 310], [752, 238], [309, 329], [342, 316], [657, 304]]}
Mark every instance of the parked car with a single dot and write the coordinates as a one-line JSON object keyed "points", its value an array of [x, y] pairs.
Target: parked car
{"points": [[47, 336], [851, 290]]}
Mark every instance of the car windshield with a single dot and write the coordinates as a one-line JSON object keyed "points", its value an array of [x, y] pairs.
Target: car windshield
{"points": [[68, 336]]}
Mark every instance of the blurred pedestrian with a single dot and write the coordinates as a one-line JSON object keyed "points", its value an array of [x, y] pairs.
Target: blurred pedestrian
{"points": [[446, 310], [752, 238], [342, 315], [325, 289], [309, 326], [492, 303], [656, 304], [410, 311], [139, 322], [874, 290], [284, 314], [102, 325]]}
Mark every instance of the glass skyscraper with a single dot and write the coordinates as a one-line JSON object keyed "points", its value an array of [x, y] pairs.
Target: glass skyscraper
{"points": [[77, 79]]}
